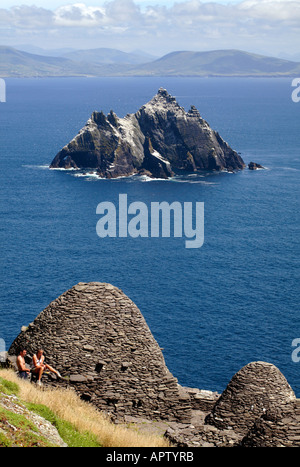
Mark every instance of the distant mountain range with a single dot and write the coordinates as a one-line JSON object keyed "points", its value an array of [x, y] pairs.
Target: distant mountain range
{"points": [[219, 63], [112, 62]]}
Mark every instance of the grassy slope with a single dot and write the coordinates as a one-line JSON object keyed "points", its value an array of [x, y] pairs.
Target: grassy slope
{"points": [[15, 63], [78, 423]]}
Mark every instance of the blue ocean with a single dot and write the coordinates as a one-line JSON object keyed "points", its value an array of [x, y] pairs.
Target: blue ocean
{"points": [[212, 310]]}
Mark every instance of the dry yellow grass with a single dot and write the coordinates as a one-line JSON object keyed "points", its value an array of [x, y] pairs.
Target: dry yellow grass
{"points": [[68, 406]]}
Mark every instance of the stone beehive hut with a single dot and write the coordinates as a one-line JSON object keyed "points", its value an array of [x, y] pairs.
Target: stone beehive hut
{"points": [[276, 429], [98, 339], [257, 409], [255, 390]]}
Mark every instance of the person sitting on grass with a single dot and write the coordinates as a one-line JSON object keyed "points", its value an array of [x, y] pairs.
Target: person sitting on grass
{"points": [[39, 366], [23, 371]]}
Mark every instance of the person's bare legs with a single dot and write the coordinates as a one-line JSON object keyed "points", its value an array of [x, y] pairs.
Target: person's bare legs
{"points": [[52, 370], [39, 371]]}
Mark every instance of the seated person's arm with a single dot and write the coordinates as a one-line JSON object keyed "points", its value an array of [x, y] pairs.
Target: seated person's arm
{"points": [[34, 360]]}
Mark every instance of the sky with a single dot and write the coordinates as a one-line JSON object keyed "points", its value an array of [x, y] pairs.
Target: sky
{"points": [[53, 4], [269, 27]]}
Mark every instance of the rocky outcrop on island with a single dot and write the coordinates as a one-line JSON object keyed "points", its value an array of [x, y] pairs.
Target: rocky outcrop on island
{"points": [[254, 166], [99, 341], [160, 139]]}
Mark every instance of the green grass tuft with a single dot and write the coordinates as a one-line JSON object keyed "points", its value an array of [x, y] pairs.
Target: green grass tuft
{"points": [[19, 431], [5, 442], [71, 436], [8, 387]]}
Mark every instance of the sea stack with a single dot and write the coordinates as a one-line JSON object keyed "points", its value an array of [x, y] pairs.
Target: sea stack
{"points": [[160, 139], [254, 166]]}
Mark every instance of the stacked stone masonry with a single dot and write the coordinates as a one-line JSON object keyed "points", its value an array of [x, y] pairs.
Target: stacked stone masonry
{"points": [[99, 341], [97, 338]]}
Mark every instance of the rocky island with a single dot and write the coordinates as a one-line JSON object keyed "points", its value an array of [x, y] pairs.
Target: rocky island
{"points": [[159, 140]]}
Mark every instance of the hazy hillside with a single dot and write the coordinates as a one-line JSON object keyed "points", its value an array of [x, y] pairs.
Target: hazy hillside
{"points": [[34, 49], [219, 63], [15, 63], [107, 56], [111, 62]]}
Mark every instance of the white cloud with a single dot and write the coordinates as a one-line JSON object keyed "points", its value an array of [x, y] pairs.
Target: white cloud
{"points": [[78, 14], [271, 10], [24, 17], [259, 25], [190, 12]]}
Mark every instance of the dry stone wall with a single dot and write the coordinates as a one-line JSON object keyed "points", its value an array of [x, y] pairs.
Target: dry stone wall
{"points": [[257, 409], [98, 339], [275, 429], [256, 389]]}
